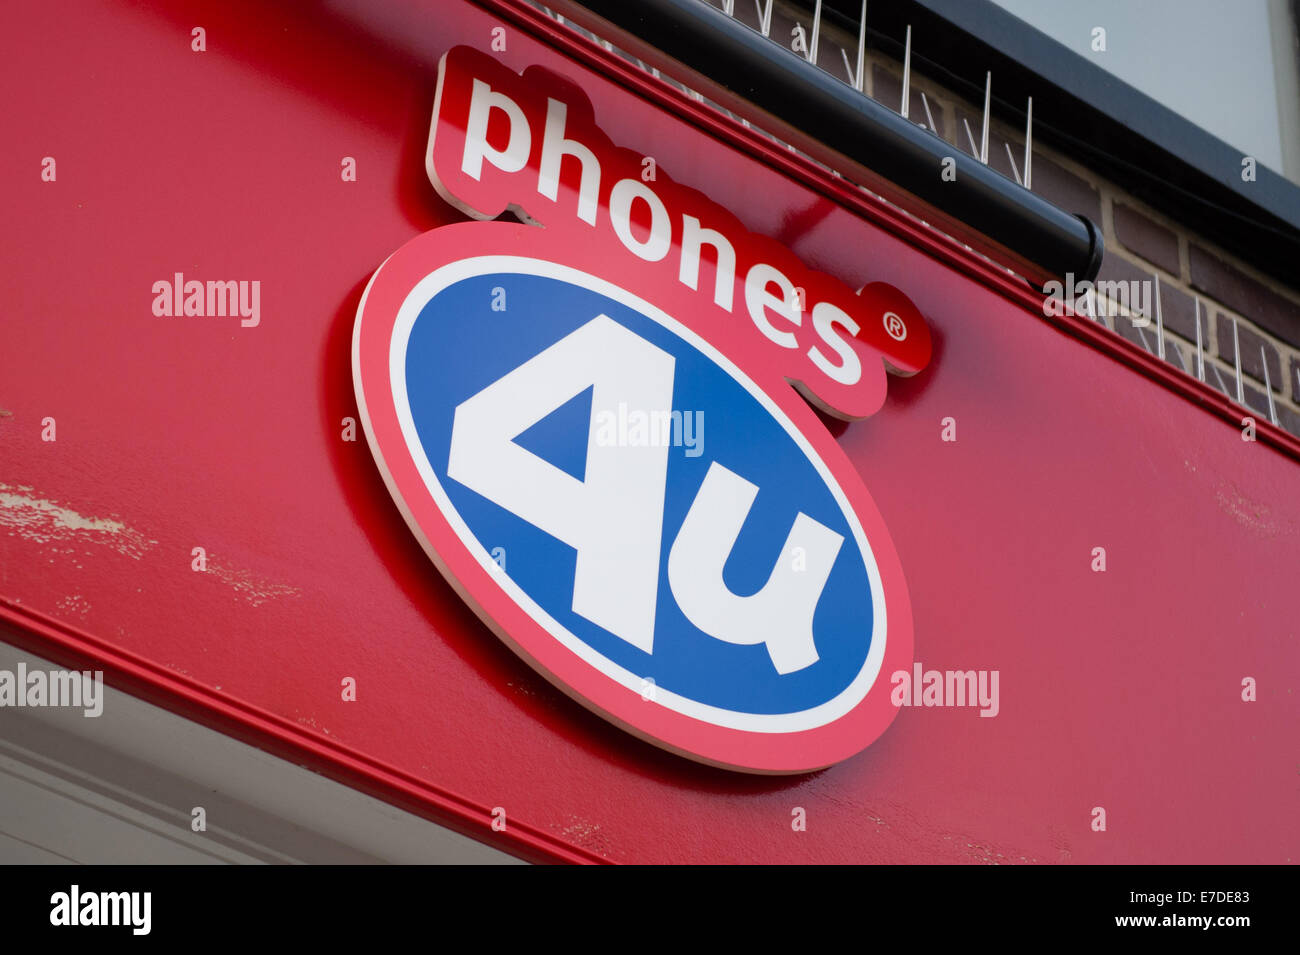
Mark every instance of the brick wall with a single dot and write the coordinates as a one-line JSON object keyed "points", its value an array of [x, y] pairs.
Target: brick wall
{"points": [[1140, 242]]}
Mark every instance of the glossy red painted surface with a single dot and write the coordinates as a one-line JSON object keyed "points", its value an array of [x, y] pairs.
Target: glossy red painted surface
{"points": [[1120, 690]]}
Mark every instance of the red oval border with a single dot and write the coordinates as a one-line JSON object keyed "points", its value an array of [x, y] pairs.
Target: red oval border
{"points": [[743, 750]]}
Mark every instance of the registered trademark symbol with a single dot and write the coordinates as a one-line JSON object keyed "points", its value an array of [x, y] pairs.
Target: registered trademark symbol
{"points": [[895, 327]]}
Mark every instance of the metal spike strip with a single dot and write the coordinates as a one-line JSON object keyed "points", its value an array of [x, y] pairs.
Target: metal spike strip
{"points": [[860, 74], [907, 73], [1268, 386], [816, 32], [1160, 320], [1236, 357], [929, 116], [1222, 386], [984, 134], [1178, 353], [1029, 140], [1011, 157], [1142, 334], [1200, 353]]}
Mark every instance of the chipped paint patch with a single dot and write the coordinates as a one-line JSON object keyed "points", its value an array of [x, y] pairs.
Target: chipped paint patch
{"points": [[39, 520], [73, 604], [1249, 514], [585, 834], [256, 590], [309, 721], [899, 822]]}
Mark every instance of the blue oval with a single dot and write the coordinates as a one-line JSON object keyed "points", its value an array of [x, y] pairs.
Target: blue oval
{"points": [[459, 345]]}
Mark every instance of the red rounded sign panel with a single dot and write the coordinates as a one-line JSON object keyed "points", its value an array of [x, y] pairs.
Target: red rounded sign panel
{"points": [[773, 608]]}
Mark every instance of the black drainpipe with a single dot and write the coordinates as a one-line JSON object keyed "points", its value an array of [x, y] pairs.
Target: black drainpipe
{"points": [[852, 133]]}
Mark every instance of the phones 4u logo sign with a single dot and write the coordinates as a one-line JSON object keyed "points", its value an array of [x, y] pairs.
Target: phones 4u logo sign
{"points": [[593, 428]]}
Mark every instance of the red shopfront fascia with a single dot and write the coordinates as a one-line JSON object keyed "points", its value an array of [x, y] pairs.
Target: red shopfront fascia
{"points": [[1120, 689]]}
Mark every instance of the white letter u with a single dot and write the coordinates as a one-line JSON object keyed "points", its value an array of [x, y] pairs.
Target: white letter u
{"points": [[780, 615]]}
